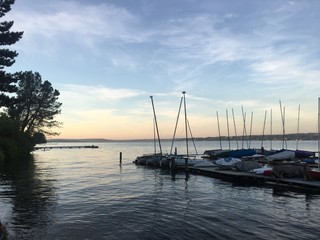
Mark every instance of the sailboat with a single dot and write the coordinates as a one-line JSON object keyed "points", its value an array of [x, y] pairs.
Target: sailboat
{"points": [[314, 173], [184, 160], [155, 158]]}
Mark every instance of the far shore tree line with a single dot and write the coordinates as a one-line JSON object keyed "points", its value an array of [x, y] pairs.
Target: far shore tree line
{"points": [[28, 104]]}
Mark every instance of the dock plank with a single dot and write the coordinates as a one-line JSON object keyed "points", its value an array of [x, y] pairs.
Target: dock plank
{"points": [[236, 176], [64, 147]]}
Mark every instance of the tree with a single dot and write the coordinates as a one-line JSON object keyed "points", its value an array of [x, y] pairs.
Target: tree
{"points": [[36, 104], [13, 143], [39, 138], [7, 56]]}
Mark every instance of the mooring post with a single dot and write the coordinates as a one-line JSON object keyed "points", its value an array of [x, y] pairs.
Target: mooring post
{"points": [[173, 163], [120, 158]]}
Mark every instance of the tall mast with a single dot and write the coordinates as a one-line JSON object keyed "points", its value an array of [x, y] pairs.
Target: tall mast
{"points": [[250, 134], [186, 126], [271, 129], [192, 138], [228, 129], [264, 126], [319, 133], [283, 125], [244, 133], [235, 128], [298, 127], [155, 120], [154, 137], [175, 129], [219, 130]]}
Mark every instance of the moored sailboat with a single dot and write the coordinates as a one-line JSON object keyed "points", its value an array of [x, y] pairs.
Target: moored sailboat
{"points": [[155, 158]]}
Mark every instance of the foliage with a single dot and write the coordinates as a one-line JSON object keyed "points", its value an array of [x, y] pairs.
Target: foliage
{"points": [[7, 56], [39, 138], [13, 143], [36, 104]]}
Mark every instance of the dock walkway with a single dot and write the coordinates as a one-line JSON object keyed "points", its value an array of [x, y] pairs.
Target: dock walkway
{"points": [[255, 179], [64, 147]]}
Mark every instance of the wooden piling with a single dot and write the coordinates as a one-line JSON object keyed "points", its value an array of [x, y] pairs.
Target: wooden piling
{"points": [[173, 163], [120, 158]]}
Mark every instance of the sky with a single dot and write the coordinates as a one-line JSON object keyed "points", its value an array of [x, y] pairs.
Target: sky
{"points": [[250, 64]]}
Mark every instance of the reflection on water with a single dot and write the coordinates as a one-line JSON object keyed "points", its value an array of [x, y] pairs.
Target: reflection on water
{"points": [[86, 194], [31, 197]]}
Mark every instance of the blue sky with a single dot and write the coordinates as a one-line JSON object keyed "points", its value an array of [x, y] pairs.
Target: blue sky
{"points": [[107, 57]]}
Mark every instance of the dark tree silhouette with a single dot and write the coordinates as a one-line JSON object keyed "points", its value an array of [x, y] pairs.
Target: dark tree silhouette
{"points": [[7, 56], [36, 104], [39, 138]]}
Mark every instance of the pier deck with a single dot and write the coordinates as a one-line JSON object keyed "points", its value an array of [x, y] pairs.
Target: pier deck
{"points": [[64, 147], [255, 179]]}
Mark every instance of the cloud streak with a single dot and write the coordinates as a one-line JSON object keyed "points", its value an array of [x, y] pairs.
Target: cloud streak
{"points": [[102, 94], [207, 44], [89, 21]]}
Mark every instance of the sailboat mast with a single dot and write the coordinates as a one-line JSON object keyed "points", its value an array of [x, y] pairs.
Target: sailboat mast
{"points": [[186, 126], [219, 130], [228, 128], [319, 133], [154, 137], [264, 126], [283, 124], [244, 132], [235, 128], [284, 119], [298, 127], [155, 120], [250, 134], [271, 129], [175, 129], [192, 138]]}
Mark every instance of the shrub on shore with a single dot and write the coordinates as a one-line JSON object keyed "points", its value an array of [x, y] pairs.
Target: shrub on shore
{"points": [[13, 143]]}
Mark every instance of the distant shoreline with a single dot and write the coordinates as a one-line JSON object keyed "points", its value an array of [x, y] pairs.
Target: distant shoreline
{"points": [[276, 137]]}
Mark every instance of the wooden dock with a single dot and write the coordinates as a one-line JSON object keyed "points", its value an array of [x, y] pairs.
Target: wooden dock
{"points": [[255, 179], [64, 147]]}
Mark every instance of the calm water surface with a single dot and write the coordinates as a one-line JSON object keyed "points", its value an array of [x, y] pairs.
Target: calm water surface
{"points": [[86, 194]]}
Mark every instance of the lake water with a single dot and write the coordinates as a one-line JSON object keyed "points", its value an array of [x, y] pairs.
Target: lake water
{"points": [[86, 194]]}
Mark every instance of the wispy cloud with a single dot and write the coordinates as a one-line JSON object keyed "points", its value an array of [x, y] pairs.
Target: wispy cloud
{"points": [[85, 23], [97, 93], [208, 43]]}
